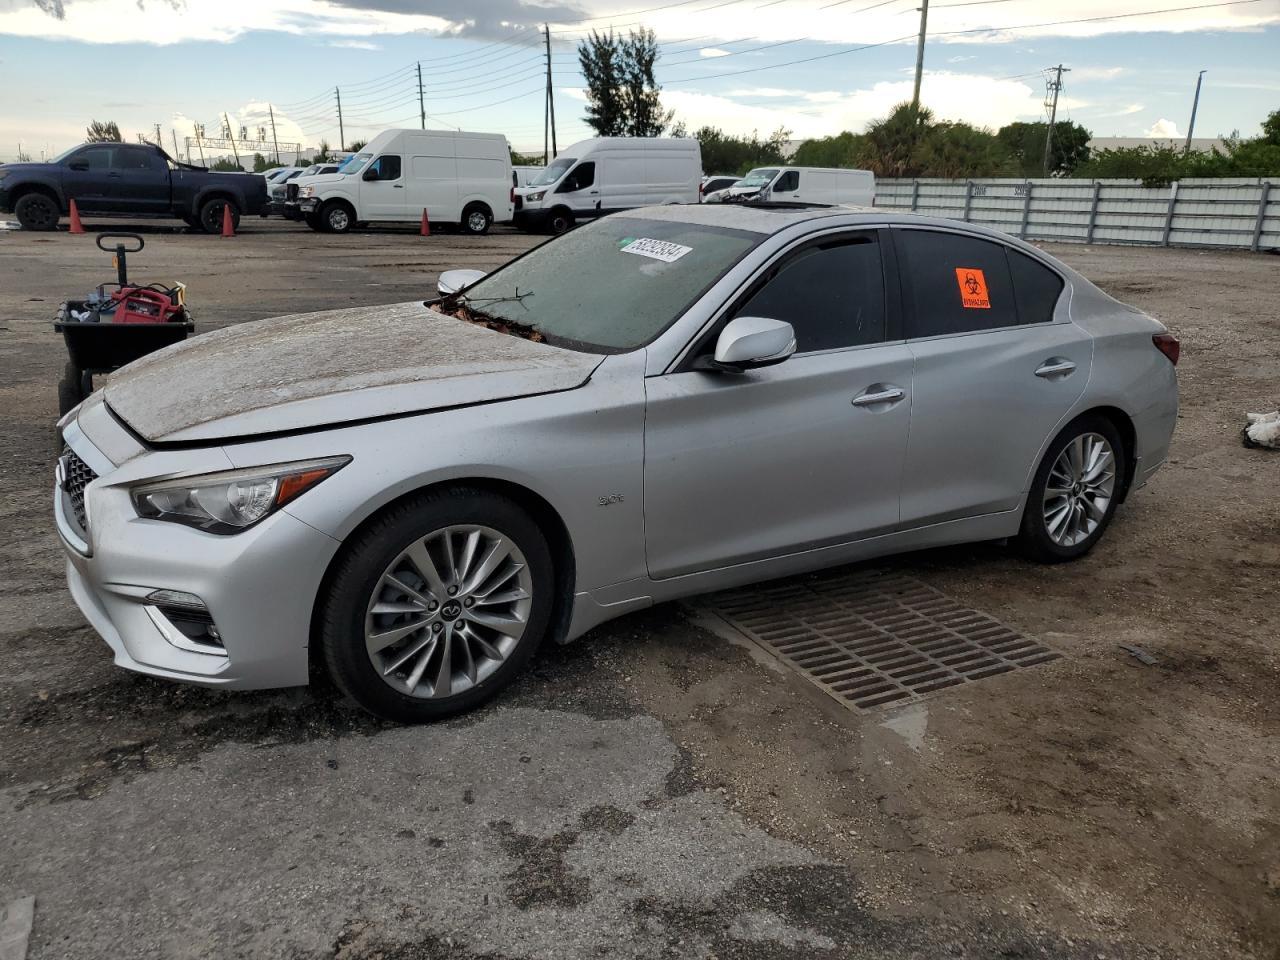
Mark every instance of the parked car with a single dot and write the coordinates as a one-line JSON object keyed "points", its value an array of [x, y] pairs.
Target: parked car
{"points": [[714, 184], [458, 178], [607, 174], [276, 188], [674, 400], [829, 185], [126, 178], [284, 196], [522, 174]]}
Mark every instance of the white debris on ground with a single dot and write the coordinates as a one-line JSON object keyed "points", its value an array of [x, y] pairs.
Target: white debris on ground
{"points": [[1263, 430], [15, 928], [10, 225]]}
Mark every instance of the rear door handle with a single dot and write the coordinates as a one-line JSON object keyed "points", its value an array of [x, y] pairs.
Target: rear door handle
{"points": [[879, 393], [1055, 367]]}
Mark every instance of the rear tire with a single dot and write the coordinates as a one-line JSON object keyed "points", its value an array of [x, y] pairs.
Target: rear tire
{"points": [[37, 211], [476, 219], [211, 215], [409, 679], [1075, 491]]}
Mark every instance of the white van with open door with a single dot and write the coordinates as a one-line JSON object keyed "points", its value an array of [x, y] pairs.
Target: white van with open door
{"points": [[607, 174], [457, 178], [831, 185]]}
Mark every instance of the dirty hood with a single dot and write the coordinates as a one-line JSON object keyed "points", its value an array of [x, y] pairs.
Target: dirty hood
{"points": [[320, 369]]}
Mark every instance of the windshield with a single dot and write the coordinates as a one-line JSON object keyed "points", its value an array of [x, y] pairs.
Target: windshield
{"points": [[66, 153], [553, 172], [354, 162], [758, 178], [612, 285]]}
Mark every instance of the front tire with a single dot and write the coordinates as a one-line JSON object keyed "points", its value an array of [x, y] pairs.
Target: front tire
{"points": [[560, 221], [37, 211], [1075, 491], [436, 605], [337, 217]]}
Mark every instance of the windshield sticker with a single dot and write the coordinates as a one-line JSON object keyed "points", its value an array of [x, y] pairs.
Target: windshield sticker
{"points": [[657, 249], [973, 288]]}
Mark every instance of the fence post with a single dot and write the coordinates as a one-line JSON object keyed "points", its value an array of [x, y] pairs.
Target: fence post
{"points": [[1262, 215], [915, 194], [1026, 212], [1168, 218], [1093, 211], [968, 198]]}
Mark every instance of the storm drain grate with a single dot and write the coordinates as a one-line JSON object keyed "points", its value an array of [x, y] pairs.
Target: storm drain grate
{"points": [[872, 638]]}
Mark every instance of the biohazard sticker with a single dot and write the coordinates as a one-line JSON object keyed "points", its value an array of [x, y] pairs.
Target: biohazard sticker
{"points": [[662, 250], [973, 288]]}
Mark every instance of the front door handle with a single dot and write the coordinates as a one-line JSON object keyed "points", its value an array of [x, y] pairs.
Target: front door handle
{"points": [[397, 186], [1055, 367], [879, 393]]}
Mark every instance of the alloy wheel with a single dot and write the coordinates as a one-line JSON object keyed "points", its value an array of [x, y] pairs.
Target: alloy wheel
{"points": [[1079, 489], [448, 611]]}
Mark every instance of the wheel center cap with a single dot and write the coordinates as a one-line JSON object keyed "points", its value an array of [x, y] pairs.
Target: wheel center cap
{"points": [[451, 610]]}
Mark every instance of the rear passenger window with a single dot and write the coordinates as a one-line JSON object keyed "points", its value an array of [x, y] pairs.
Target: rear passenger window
{"points": [[832, 295], [1036, 288], [953, 283]]}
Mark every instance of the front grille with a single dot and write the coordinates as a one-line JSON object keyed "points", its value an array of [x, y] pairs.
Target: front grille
{"points": [[76, 475], [291, 191]]}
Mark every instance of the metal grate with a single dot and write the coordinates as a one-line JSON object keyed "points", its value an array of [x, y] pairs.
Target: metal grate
{"points": [[872, 638], [76, 476]]}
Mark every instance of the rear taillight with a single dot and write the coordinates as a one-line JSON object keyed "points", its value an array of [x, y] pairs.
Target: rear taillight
{"points": [[1168, 344], [513, 194]]}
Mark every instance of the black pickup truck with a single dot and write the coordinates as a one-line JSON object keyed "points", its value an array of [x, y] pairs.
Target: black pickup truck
{"points": [[126, 178]]}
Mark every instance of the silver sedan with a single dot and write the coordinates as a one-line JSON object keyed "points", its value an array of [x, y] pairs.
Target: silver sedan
{"points": [[660, 403]]}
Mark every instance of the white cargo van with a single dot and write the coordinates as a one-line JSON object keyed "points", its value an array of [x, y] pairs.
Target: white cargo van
{"points": [[607, 174], [462, 178], [802, 185]]}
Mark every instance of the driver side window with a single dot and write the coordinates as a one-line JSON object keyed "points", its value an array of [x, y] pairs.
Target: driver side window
{"points": [[788, 181], [386, 167], [94, 158], [582, 176]]}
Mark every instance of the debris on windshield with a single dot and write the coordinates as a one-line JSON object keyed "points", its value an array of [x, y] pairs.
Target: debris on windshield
{"points": [[457, 307]]}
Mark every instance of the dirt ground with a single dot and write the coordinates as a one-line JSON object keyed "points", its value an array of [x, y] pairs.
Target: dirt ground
{"points": [[655, 790]]}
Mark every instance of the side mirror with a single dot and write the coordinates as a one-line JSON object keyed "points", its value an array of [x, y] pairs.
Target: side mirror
{"points": [[455, 281], [749, 342]]}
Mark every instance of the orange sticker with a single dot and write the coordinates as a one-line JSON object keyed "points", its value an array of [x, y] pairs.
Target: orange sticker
{"points": [[973, 288]]}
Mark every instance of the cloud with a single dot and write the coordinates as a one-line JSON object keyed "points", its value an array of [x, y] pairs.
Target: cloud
{"points": [[495, 19], [959, 59], [1097, 73], [712, 52], [355, 44], [1164, 129]]}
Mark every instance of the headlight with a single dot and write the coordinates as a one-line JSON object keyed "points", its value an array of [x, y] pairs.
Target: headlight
{"points": [[307, 192], [3, 173], [535, 196], [234, 500]]}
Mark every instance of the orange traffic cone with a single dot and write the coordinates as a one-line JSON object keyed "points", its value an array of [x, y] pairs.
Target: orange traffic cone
{"points": [[76, 225], [227, 229], [426, 224]]}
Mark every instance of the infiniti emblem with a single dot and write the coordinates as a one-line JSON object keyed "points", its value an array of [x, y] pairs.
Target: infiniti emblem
{"points": [[451, 610]]}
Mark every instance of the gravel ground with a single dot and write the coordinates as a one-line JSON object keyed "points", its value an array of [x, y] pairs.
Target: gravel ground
{"points": [[655, 790]]}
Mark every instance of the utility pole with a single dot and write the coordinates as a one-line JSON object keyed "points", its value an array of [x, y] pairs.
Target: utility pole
{"points": [[159, 137], [422, 103], [1055, 87], [1186, 147], [342, 137], [274, 142], [176, 154], [199, 129], [551, 99], [546, 121], [231, 135], [924, 27]]}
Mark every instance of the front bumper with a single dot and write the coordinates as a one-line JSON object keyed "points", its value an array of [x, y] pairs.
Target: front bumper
{"points": [[301, 209], [532, 219], [259, 585]]}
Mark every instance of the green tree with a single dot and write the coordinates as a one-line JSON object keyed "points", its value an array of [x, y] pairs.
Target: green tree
{"points": [[223, 164], [957, 150], [888, 148], [1271, 128], [322, 154], [837, 151], [1025, 143], [98, 132], [723, 153], [358, 146], [623, 97]]}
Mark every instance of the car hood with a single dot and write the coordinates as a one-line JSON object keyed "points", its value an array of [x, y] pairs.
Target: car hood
{"points": [[307, 371]]}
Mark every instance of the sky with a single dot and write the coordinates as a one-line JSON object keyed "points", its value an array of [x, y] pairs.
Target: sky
{"points": [[811, 67]]}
